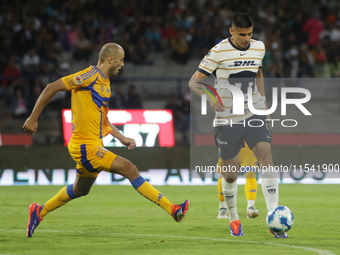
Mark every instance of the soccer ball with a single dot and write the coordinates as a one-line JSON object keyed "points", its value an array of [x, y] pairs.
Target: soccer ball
{"points": [[280, 219]]}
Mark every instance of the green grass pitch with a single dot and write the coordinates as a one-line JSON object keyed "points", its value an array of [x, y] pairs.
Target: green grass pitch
{"points": [[117, 220]]}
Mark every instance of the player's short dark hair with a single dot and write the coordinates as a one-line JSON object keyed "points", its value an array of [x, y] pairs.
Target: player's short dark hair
{"points": [[242, 20]]}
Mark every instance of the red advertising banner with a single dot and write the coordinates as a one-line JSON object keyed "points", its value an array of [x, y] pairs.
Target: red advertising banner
{"points": [[148, 127]]}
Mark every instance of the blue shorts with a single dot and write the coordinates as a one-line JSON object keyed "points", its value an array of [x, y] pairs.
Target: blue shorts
{"points": [[230, 139]]}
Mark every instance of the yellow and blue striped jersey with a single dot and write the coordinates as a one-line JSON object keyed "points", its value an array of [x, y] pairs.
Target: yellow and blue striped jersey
{"points": [[89, 102]]}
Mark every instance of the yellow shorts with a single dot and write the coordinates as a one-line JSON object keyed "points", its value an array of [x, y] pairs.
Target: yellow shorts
{"points": [[91, 158]]}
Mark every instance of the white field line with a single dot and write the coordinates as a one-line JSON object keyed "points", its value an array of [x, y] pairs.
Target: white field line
{"points": [[318, 251]]}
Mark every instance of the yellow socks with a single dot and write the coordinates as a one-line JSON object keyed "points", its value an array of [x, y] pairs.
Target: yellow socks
{"points": [[219, 190], [219, 187], [148, 191], [64, 195]]}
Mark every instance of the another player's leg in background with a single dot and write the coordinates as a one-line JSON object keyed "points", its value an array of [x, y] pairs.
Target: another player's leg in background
{"points": [[250, 190], [229, 186], [247, 161], [223, 210], [127, 169], [81, 187]]}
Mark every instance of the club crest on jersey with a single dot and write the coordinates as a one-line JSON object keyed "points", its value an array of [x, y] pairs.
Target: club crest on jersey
{"points": [[78, 80]]}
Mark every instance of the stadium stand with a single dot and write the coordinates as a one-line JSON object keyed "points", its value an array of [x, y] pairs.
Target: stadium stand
{"points": [[164, 42]]}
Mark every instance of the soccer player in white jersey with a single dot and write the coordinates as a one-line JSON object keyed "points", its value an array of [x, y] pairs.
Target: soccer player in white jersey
{"points": [[237, 61]]}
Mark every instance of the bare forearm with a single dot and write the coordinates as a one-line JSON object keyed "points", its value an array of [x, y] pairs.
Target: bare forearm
{"points": [[42, 101], [196, 86], [115, 132], [31, 124], [47, 94], [129, 142]]}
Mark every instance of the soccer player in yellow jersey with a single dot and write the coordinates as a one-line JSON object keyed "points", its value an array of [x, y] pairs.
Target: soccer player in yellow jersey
{"points": [[90, 95], [247, 161]]}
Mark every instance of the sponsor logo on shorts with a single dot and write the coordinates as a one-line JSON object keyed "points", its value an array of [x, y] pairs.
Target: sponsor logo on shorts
{"points": [[100, 154], [221, 142]]}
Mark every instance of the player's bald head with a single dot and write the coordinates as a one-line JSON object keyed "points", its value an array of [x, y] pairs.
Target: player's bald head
{"points": [[109, 49]]}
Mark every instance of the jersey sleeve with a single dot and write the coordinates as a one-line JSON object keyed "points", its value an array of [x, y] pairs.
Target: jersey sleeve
{"points": [[80, 79], [210, 62], [106, 127], [264, 52]]}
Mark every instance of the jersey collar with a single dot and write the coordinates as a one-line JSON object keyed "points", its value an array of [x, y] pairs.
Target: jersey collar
{"points": [[229, 39], [100, 72]]}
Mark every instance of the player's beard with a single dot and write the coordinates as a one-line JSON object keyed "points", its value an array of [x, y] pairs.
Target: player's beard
{"points": [[113, 71]]}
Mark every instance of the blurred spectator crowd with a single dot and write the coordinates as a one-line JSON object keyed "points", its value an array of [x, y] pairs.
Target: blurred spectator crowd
{"points": [[40, 39]]}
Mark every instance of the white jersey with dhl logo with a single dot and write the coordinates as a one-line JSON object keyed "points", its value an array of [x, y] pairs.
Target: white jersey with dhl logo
{"points": [[231, 65]]}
